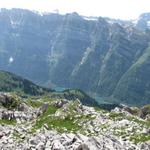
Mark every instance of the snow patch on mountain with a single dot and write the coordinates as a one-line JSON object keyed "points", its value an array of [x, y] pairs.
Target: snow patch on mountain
{"points": [[11, 59], [148, 23], [90, 18]]}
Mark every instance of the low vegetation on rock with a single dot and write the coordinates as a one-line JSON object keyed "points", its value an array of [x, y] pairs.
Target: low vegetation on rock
{"points": [[42, 122]]}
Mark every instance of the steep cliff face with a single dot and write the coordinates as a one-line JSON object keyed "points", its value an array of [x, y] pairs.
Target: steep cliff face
{"points": [[25, 42], [134, 85], [97, 55]]}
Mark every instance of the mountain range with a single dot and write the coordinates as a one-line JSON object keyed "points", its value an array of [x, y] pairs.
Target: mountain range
{"points": [[98, 55]]}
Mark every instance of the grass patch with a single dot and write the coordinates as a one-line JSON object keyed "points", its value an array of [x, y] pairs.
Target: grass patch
{"points": [[8, 122], [116, 116], [104, 126], [51, 110], [61, 125], [139, 138], [120, 131], [18, 137], [98, 109], [34, 103], [142, 122], [38, 101]]}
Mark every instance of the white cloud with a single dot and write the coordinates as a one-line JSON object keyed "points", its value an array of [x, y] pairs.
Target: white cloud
{"points": [[125, 9]]}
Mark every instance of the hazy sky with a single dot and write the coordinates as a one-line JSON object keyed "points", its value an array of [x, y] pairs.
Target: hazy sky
{"points": [[124, 9]]}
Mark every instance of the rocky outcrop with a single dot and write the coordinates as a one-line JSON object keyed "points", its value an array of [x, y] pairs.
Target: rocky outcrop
{"points": [[45, 140], [70, 125], [14, 109], [18, 115], [60, 103], [145, 112], [8, 101]]}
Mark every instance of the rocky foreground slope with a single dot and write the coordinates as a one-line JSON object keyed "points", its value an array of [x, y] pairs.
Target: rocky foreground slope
{"points": [[44, 123]]}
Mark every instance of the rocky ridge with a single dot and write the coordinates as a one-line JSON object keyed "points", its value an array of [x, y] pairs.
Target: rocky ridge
{"points": [[43, 123]]}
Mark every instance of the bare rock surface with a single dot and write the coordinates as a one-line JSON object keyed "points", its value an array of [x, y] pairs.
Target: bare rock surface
{"points": [[96, 129]]}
